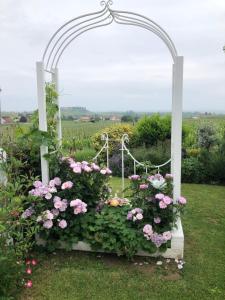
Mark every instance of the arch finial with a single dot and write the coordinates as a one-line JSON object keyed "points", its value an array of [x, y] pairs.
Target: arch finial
{"points": [[106, 3]]}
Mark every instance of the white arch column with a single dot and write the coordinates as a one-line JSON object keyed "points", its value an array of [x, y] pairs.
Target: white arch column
{"points": [[55, 81], [42, 114], [176, 133]]}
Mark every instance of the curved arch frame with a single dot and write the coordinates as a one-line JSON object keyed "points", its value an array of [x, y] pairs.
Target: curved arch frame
{"points": [[74, 28]]}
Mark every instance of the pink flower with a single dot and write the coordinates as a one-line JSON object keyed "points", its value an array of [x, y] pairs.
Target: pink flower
{"points": [[95, 167], [28, 261], [143, 186], [67, 185], [79, 206], [167, 235], [87, 169], [182, 200], [57, 181], [64, 205], [134, 177], [108, 171], [48, 196], [84, 162], [38, 184], [162, 205], [62, 224], [34, 262], [48, 224], [58, 204], [77, 170], [52, 183], [103, 172], [56, 198], [55, 212], [148, 229], [139, 216], [29, 271], [159, 196], [157, 220], [167, 200], [47, 215], [28, 284]]}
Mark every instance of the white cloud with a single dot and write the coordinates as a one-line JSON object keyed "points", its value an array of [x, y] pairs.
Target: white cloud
{"points": [[128, 66]]}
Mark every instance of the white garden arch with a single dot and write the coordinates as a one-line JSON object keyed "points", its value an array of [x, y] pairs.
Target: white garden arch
{"points": [[74, 28]]}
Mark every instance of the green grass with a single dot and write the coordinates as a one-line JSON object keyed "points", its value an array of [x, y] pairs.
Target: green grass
{"points": [[78, 276]]}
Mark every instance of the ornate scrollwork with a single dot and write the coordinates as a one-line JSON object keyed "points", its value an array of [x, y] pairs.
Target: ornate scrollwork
{"points": [[106, 3]]}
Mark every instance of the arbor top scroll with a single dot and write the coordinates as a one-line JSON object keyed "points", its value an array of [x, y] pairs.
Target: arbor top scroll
{"points": [[75, 27]]}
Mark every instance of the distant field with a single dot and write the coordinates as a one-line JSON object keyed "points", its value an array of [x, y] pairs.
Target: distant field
{"points": [[84, 130]]}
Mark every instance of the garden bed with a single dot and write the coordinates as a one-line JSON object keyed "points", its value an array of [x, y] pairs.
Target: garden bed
{"points": [[175, 251]]}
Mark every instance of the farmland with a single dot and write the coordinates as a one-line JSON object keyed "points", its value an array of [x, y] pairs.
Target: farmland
{"points": [[84, 130]]}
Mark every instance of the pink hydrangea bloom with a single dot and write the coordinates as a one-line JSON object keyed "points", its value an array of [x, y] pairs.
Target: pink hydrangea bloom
{"points": [[62, 224], [48, 224], [67, 185], [162, 204], [108, 171], [134, 177], [52, 183], [57, 181], [159, 196], [55, 212], [58, 204], [77, 169], [79, 206], [38, 184], [95, 167], [87, 169], [182, 200], [143, 186], [167, 200], [147, 229], [64, 204], [157, 220], [167, 235], [56, 198], [139, 216]]}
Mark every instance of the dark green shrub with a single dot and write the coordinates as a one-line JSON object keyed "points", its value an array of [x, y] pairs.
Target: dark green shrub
{"points": [[151, 129], [193, 170], [11, 271]]}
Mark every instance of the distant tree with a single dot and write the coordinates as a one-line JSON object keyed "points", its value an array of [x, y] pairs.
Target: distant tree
{"points": [[23, 119], [127, 118], [154, 128]]}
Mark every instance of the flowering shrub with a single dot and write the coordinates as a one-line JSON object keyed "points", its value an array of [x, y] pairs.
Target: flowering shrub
{"points": [[58, 207], [76, 207], [159, 212]]}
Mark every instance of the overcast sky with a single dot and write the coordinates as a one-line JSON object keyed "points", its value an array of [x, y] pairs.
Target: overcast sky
{"points": [[116, 67]]}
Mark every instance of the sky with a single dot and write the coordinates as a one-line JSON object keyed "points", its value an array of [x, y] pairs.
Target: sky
{"points": [[115, 68]]}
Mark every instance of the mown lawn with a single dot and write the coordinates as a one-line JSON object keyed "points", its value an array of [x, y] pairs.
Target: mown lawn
{"points": [[82, 276]]}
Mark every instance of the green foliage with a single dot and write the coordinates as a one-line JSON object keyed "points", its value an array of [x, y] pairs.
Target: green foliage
{"points": [[11, 270], [110, 231], [115, 133], [86, 154], [151, 129], [206, 136]]}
